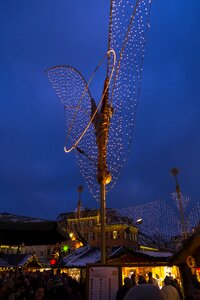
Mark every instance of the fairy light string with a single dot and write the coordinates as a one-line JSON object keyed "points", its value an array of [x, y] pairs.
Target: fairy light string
{"points": [[129, 21]]}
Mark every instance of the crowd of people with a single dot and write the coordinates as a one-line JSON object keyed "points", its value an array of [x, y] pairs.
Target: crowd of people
{"points": [[49, 286], [133, 289], [40, 286]]}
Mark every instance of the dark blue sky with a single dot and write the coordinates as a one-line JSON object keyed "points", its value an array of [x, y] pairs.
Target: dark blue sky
{"points": [[36, 177]]}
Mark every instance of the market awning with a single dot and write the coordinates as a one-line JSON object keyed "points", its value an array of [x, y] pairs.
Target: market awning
{"points": [[8, 261], [16, 230]]}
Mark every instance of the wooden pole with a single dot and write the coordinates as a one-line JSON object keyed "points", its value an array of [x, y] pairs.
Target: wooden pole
{"points": [[103, 222]]}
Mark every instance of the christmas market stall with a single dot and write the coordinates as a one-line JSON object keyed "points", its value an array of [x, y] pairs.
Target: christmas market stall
{"points": [[129, 261], [13, 262], [187, 259], [139, 263], [75, 264]]}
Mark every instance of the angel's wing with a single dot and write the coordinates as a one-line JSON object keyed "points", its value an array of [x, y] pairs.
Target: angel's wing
{"points": [[80, 111], [72, 89], [129, 21]]}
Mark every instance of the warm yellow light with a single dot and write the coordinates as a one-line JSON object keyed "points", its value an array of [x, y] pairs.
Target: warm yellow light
{"points": [[83, 219], [78, 245], [72, 236], [148, 248], [115, 234], [108, 178], [9, 247]]}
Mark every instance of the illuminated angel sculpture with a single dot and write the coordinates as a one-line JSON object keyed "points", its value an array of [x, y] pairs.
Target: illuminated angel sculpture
{"points": [[100, 131]]}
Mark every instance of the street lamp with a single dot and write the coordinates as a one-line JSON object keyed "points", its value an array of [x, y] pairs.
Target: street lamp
{"points": [[139, 221]]}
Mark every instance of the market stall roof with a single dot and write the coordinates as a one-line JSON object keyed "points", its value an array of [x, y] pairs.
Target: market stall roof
{"points": [[158, 242], [117, 255], [81, 257], [130, 256], [17, 230], [18, 260]]}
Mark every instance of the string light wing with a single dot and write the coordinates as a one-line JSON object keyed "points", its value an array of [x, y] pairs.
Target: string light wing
{"points": [[129, 21], [80, 111], [72, 90]]}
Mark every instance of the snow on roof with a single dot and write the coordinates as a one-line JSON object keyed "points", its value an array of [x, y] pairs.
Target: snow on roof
{"points": [[82, 256], [94, 257], [156, 253], [86, 255], [5, 217], [76, 254]]}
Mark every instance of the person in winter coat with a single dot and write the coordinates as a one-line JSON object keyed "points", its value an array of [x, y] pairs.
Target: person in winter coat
{"points": [[124, 288], [152, 280], [144, 292], [169, 291]]}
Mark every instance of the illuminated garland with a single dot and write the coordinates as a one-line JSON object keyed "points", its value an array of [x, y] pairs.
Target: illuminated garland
{"points": [[160, 219], [129, 21]]}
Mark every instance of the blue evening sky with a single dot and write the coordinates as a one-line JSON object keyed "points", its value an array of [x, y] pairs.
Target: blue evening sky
{"points": [[36, 177]]}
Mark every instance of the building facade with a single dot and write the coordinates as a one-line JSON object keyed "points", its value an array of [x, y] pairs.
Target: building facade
{"points": [[84, 226]]}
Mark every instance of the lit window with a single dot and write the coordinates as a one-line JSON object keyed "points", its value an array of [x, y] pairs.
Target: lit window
{"points": [[114, 235], [72, 236]]}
